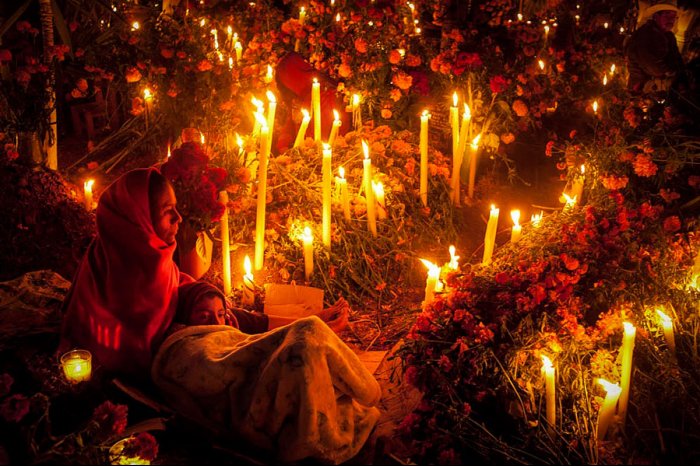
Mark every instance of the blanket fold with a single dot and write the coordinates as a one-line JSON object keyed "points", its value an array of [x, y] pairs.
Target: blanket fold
{"points": [[297, 390]]}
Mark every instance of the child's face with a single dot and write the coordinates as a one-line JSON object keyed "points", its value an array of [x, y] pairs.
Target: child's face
{"points": [[208, 310]]}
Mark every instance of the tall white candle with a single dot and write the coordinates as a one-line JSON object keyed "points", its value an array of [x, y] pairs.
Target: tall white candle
{"points": [[378, 189], [490, 237], [302, 128], [248, 283], [517, 228], [356, 112], [667, 324], [334, 129], [271, 109], [87, 188], [308, 245], [239, 50], [225, 244], [473, 158], [262, 197], [431, 283], [369, 192], [577, 185], [550, 394], [627, 350], [316, 107], [424, 157], [344, 197], [607, 409], [454, 124], [326, 176], [457, 161]]}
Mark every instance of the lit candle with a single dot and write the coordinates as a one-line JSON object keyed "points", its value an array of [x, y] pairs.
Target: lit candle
{"points": [[87, 188], [326, 181], [540, 63], [431, 282], [490, 237], [77, 366], [517, 228], [239, 50], [302, 15], [343, 187], [230, 63], [577, 185], [536, 219], [302, 128], [369, 192], [215, 34], [607, 409], [424, 157], [612, 69], [229, 34], [378, 189], [269, 75], [546, 32], [168, 156], [258, 115], [308, 244], [605, 79], [457, 160], [271, 109], [474, 153], [454, 123], [262, 197], [148, 101], [595, 107], [356, 112], [627, 350], [570, 201], [248, 283], [548, 370], [454, 260], [225, 244], [667, 325], [335, 127], [316, 109]]}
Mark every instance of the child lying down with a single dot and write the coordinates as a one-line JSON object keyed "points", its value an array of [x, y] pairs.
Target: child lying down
{"points": [[296, 391]]}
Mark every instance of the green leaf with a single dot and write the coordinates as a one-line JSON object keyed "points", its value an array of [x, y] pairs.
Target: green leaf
{"points": [[13, 19]]}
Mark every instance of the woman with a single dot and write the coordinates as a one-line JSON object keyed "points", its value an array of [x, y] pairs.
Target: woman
{"points": [[124, 295]]}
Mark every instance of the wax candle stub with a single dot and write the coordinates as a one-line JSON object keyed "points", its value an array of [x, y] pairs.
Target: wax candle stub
{"points": [[77, 366]]}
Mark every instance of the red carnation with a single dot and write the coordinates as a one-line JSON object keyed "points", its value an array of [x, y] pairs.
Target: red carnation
{"points": [[143, 445], [672, 224], [111, 418], [498, 84], [14, 408]]}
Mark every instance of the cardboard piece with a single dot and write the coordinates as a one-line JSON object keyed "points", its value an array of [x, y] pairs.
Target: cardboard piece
{"points": [[292, 300]]}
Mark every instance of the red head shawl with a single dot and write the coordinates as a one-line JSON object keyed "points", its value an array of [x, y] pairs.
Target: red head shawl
{"points": [[124, 294]]}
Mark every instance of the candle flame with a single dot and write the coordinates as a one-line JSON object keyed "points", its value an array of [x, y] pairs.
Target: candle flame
{"points": [[515, 215], [454, 264], [147, 94], [258, 103], [535, 219], [612, 69], [229, 30], [595, 106], [302, 10], [665, 319], [455, 99], [336, 115], [546, 363], [475, 141], [271, 96], [168, 150], [247, 266], [425, 114], [605, 25], [260, 119], [365, 149], [629, 328], [622, 29], [570, 201], [520, 17], [583, 169], [494, 210], [605, 79], [201, 138], [337, 17], [540, 63], [433, 269], [378, 188], [307, 236], [202, 22], [237, 46], [269, 72], [467, 115], [88, 184], [135, 26], [341, 172], [402, 52], [610, 388], [546, 30], [230, 63], [315, 81], [306, 115], [239, 140], [326, 146], [355, 100]]}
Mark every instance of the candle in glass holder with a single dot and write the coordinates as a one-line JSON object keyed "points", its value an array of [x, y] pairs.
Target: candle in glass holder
{"points": [[336, 126], [316, 108], [378, 189], [87, 188], [667, 324], [77, 366], [607, 409], [550, 396], [490, 236], [342, 184], [225, 244], [326, 184], [424, 157], [307, 239], [248, 283], [627, 351], [302, 128], [517, 228]]}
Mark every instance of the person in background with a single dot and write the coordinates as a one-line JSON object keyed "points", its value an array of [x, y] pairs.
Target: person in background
{"points": [[653, 59]]}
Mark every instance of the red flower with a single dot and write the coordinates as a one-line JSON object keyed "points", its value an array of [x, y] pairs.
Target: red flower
{"points": [[6, 382], [111, 418], [411, 375], [498, 84], [465, 60], [143, 445], [672, 224], [548, 148], [204, 65], [14, 408]]}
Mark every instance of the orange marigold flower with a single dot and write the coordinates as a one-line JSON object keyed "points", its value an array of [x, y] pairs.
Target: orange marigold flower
{"points": [[402, 80], [361, 45], [395, 95], [132, 74], [413, 60], [520, 108], [644, 166], [386, 113], [344, 71], [394, 57]]}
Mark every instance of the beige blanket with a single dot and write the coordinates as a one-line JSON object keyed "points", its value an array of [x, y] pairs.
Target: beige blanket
{"points": [[296, 390]]}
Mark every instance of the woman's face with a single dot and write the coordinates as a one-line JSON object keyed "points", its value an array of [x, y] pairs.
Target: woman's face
{"points": [[165, 216], [208, 310]]}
